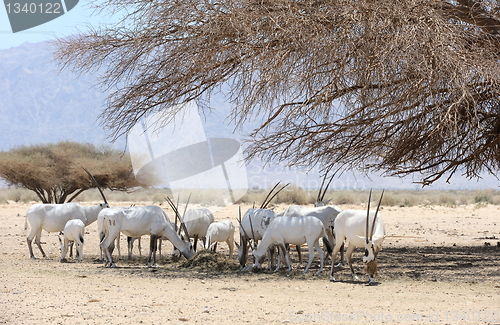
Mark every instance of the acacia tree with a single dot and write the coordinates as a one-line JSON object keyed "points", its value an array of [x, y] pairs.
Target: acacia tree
{"points": [[54, 171], [395, 86]]}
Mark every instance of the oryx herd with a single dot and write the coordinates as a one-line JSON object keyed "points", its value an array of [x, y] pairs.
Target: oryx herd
{"points": [[296, 225]]}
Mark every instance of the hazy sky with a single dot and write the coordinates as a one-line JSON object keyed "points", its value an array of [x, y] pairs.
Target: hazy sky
{"points": [[66, 24]]}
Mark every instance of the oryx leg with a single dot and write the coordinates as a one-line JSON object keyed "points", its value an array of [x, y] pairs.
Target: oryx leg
{"points": [[321, 256], [230, 243], [271, 263], [310, 248], [153, 246], [34, 233], [278, 262], [334, 256], [108, 243], [195, 242], [297, 247], [79, 250], [64, 250], [38, 243], [342, 259], [287, 257], [350, 249], [70, 247], [139, 246], [214, 247]]}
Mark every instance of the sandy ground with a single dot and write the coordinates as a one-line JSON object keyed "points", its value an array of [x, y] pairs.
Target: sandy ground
{"points": [[438, 265]]}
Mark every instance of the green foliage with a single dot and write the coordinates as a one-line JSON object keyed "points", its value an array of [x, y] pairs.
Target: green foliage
{"points": [[54, 173]]}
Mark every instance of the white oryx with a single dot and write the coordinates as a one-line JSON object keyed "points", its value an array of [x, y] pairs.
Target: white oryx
{"points": [[219, 232], [73, 232], [53, 217], [253, 225], [353, 225], [295, 231], [197, 222], [326, 214], [139, 221]]}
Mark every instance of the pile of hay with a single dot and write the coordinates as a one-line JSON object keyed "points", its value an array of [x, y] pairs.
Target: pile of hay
{"points": [[208, 260], [371, 267]]}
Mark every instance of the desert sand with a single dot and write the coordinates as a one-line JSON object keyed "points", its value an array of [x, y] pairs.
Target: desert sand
{"points": [[438, 265]]}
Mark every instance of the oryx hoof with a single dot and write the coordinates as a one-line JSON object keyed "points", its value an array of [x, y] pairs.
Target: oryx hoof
{"points": [[340, 265], [319, 272], [355, 278], [332, 279]]}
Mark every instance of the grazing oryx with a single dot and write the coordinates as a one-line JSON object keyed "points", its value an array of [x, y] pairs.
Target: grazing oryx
{"points": [[353, 225], [197, 222], [73, 231], [218, 232], [53, 217], [253, 226], [296, 231], [326, 214], [136, 222]]}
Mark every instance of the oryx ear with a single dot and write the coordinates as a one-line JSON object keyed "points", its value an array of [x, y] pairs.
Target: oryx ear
{"points": [[362, 237], [328, 201]]}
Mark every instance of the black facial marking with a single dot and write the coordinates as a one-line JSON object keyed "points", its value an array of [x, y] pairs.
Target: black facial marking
{"points": [[366, 252]]}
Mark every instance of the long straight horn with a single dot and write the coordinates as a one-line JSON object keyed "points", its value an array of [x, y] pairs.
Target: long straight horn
{"points": [[326, 188], [264, 202], [177, 207], [246, 235], [177, 215], [251, 227], [375, 218], [182, 220], [272, 197], [368, 215], [95, 182]]}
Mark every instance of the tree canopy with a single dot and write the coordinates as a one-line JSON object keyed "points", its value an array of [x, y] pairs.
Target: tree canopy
{"points": [[54, 171], [409, 86]]}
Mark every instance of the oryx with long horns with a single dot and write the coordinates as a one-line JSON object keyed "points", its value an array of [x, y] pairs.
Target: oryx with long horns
{"points": [[353, 225], [326, 214], [139, 221], [254, 224], [53, 217]]}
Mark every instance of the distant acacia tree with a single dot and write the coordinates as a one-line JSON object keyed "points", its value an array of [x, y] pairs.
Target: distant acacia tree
{"points": [[410, 86], [54, 172]]}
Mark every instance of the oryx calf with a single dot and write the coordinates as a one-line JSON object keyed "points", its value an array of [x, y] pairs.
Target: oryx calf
{"points": [[353, 225], [222, 231], [73, 232]]}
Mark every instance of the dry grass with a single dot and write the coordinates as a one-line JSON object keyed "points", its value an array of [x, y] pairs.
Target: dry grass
{"points": [[291, 195]]}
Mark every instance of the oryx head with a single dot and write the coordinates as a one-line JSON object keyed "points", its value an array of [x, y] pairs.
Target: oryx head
{"points": [[372, 245], [102, 205]]}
